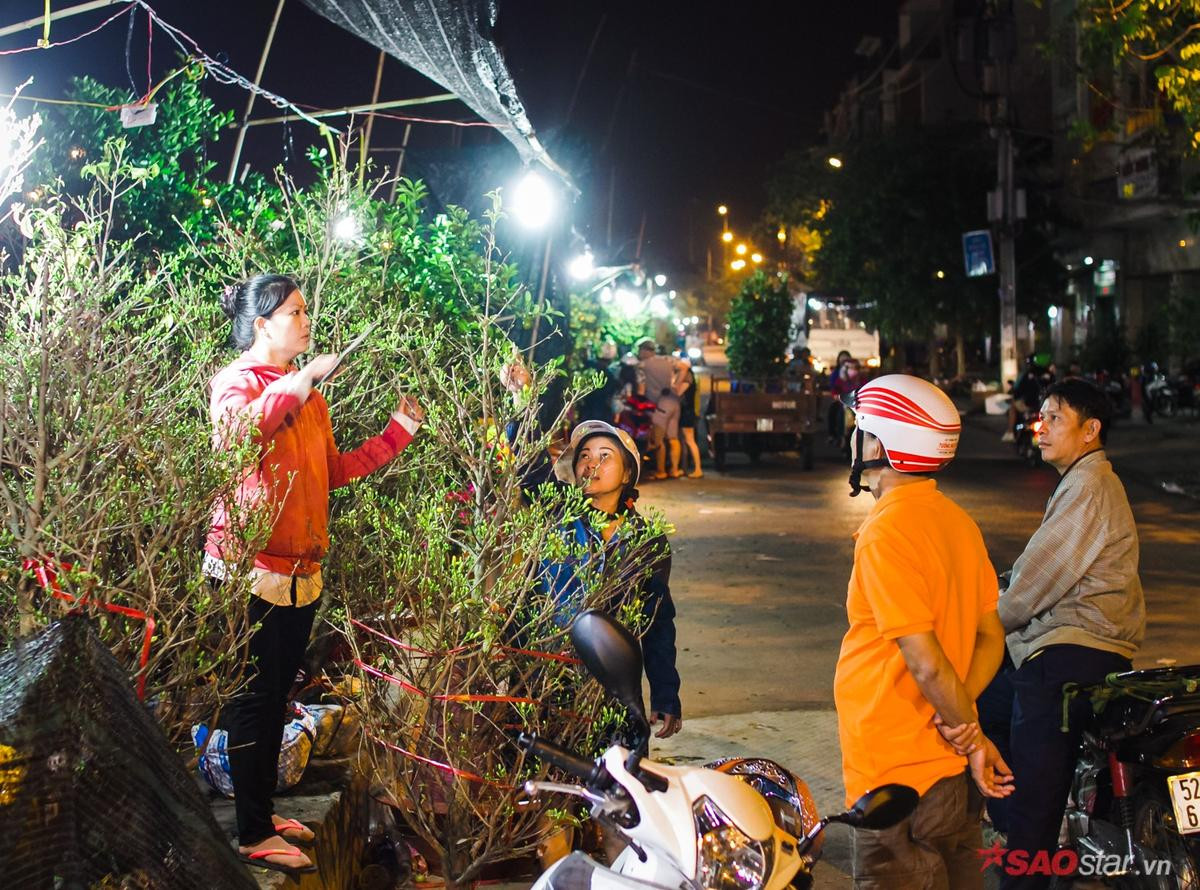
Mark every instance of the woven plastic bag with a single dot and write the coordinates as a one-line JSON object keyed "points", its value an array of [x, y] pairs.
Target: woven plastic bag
{"points": [[299, 733]]}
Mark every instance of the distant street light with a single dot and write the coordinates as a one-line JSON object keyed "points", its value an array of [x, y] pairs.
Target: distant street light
{"points": [[756, 257], [727, 236], [660, 279], [582, 266], [941, 274], [722, 209], [835, 162], [533, 201], [628, 302], [1087, 261], [781, 234], [1052, 313], [737, 265], [740, 250]]}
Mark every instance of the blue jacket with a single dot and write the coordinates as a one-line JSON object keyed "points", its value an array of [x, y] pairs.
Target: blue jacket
{"points": [[562, 582]]}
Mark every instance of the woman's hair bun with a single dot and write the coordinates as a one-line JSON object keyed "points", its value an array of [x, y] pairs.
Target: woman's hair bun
{"points": [[229, 300]]}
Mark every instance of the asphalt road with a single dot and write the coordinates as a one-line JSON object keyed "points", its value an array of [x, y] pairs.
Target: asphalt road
{"points": [[762, 554]]}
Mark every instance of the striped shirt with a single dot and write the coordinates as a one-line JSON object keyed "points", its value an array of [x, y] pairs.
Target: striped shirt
{"points": [[1077, 581]]}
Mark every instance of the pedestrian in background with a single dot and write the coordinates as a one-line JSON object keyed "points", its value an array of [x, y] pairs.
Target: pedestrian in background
{"points": [[598, 404], [847, 383], [836, 418], [658, 376], [686, 389]]}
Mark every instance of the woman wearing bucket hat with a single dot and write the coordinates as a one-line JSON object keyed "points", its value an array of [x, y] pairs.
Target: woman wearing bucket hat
{"points": [[604, 462]]}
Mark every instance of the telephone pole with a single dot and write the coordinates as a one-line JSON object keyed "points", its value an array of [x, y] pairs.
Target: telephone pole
{"points": [[1006, 224], [1006, 203]]}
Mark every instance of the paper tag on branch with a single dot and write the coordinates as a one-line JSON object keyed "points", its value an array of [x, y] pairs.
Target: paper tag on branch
{"points": [[139, 115]]}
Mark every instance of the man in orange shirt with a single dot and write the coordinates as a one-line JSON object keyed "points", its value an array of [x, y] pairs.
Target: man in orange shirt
{"points": [[924, 641]]}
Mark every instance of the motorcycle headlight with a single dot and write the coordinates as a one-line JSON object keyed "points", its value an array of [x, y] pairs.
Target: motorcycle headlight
{"points": [[727, 858]]}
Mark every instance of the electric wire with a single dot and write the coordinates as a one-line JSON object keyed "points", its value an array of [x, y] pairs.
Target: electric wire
{"points": [[219, 71], [41, 45]]}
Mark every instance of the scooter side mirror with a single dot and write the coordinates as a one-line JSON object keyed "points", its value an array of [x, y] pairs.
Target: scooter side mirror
{"points": [[880, 808], [612, 655]]}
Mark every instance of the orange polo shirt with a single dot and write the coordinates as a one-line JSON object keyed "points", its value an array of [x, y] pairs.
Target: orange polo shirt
{"points": [[919, 565]]}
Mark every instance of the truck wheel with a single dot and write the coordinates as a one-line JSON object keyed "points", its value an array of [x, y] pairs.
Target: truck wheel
{"points": [[718, 444], [806, 452]]}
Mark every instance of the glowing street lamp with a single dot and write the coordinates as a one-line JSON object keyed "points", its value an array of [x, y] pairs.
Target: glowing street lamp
{"points": [[533, 201], [722, 210], [781, 234], [727, 236], [740, 250], [835, 162], [628, 302], [346, 227], [737, 265], [660, 279], [582, 266], [756, 257]]}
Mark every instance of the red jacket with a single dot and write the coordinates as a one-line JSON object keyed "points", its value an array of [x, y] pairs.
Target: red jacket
{"points": [[298, 467]]}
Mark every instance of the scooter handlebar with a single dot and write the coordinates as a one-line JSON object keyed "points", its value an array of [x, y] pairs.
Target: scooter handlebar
{"points": [[594, 775]]}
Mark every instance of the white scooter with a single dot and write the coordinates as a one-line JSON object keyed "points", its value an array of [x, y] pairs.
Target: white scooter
{"points": [[739, 825]]}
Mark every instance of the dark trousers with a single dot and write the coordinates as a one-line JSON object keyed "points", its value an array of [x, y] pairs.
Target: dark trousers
{"points": [[1029, 702], [936, 848], [255, 717]]}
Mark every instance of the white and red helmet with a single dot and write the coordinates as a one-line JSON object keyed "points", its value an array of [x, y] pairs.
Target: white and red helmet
{"points": [[916, 422]]}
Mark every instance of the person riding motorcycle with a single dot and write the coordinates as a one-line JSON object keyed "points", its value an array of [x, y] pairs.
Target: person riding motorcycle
{"points": [[1073, 612]]}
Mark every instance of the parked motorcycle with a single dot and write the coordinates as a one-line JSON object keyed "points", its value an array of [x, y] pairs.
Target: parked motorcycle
{"points": [[1025, 433], [1136, 791], [1161, 393], [739, 825], [636, 418]]}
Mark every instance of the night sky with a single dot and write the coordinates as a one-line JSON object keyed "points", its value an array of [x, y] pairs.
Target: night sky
{"points": [[689, 103]]}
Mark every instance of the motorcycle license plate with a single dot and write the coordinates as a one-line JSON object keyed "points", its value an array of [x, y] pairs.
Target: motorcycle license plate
{"points": [[765, 424], [1185, 798]]}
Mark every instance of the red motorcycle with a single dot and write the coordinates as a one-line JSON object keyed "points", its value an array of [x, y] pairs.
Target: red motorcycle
{"points": [[636, 418]]}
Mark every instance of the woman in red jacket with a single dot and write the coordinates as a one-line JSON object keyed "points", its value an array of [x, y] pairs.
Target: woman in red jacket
{"points": [[262, 396]]}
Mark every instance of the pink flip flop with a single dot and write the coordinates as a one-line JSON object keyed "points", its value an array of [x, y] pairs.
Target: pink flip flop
{"points": [[259, 859], [295, 826]]}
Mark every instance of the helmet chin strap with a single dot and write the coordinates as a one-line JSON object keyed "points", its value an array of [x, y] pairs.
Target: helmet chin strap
{"points": [[856, 468]]}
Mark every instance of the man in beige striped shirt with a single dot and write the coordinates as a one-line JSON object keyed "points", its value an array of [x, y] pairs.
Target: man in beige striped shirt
{"points": [[1073, 612]]}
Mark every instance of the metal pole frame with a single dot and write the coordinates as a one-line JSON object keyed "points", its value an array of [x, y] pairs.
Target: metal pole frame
{"points": [[262, 65]]}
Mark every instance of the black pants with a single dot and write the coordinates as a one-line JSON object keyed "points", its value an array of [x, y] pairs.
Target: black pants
{"points": [[256, 714], [1041, 755]]}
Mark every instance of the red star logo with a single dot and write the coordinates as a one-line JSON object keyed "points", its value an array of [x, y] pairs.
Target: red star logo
{"points": [[993, 855]]}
